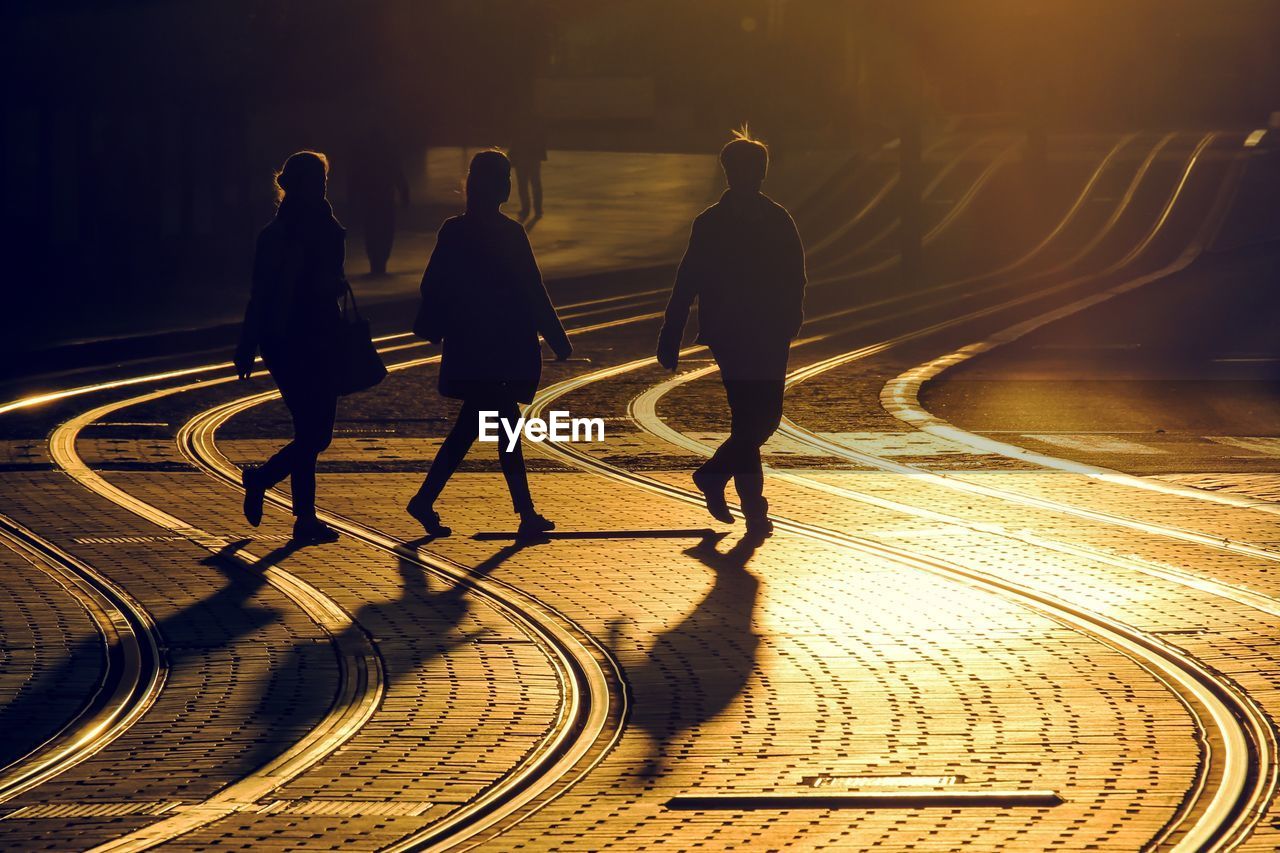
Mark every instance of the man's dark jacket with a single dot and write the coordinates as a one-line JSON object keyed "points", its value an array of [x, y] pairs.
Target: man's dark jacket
{"points": [[745, 268]]}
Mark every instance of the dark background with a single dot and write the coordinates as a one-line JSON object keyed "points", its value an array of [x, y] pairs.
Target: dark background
{"points": [[137, 139]]}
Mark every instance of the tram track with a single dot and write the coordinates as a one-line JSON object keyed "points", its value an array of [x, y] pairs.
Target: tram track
{"points": [[1237, 778], [1244, 735], [134, 664], [596, 700], [200, 432], [361, 676], [196, 441], [592, 704], [590, 714], [1228, 798]]}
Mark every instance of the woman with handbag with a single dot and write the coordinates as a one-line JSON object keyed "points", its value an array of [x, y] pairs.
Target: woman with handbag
{"points": [[482, 294], [293, 317]]}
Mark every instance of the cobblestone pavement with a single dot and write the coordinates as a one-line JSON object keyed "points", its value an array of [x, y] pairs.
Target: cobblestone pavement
{"points": [[907, 663]]}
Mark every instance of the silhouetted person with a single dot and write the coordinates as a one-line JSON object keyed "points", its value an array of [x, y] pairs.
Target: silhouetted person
{"points": [[482, 294], [527, 153], [293, 317], [377, 184], [745, 267]]}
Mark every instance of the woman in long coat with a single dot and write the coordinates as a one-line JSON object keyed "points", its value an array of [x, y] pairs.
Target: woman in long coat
{"points": [[293, 317], [482, 294]]}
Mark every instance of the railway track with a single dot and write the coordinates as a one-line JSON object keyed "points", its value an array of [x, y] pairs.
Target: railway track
{"points": [[593, 719], [1237, 777], [1239, 744], [1238, 773], [134, 664]]}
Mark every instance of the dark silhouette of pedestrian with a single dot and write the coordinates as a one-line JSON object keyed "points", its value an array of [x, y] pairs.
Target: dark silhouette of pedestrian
{"points": [[377, 185], [294, 319], [482, 294], [527, 153], [745, 268]]}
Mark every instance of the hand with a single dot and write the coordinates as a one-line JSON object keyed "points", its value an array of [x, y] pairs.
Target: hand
{"points": [[669, 354]]}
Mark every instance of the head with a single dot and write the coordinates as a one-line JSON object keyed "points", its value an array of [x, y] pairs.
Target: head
{"points": [[304, 177], [745, 161], [488, 180]]}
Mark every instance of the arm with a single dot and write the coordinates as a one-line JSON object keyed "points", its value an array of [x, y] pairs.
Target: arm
{"points": [[544, 313], [794, 275], [436, 282], [340, 258], [688, 282]]}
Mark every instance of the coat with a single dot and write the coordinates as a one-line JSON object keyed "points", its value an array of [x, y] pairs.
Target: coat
{"points": [[298, 278], [483, 296], [745, 267]]}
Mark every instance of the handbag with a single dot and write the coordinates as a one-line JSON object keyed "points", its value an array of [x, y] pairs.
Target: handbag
{"points": [[359, 365]]}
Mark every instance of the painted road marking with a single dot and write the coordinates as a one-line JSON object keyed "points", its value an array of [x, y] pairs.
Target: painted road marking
{"points": [[1093, 443], [1264, 444]]}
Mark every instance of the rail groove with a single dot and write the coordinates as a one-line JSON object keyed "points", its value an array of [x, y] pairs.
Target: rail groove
{"points": [[134, 673]]}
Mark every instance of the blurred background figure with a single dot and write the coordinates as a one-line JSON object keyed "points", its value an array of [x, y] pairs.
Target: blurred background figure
{"points": [[377, 186], [528, 151]]}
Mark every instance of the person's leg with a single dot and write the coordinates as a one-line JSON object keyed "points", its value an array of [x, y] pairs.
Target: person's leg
{"points": [[736, 452], [535, 178], [292, 393], [450, 455], [277, 467], [379, 231], [757, 414], [714, 474], [512, 462], [313, 432], [256, 480]]}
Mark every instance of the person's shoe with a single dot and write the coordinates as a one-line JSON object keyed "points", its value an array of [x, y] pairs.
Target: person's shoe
{"points": [[756, 512], [255, 492], [759, 527], [427, 517], [523, 214], [313, 531], [532, 524], [713, 492]]}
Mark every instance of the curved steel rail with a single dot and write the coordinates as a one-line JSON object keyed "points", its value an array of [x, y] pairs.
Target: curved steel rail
{"points": [[874, 200], [134, 673], [1246, 776], [74, 466], [196, 438], [593, 712], [361, 680], [1231, 787], [900, 397], [881, 195]]}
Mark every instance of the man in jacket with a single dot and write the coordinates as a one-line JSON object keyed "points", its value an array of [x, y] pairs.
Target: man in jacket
{"points": [[745, 267]]}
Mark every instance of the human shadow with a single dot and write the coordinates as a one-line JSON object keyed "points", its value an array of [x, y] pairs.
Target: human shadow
{"points": [[424, 620], [203, 629], [696, 669]]}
